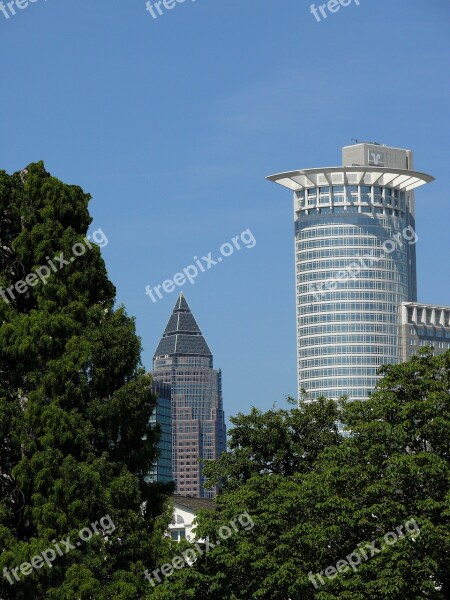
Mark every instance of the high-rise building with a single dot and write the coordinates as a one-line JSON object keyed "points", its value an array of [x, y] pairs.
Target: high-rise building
{"points": [[184, 360], [162, 415], [355, 267]]}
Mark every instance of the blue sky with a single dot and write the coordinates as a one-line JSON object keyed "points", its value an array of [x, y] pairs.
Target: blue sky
{"points": [[173, 123]]}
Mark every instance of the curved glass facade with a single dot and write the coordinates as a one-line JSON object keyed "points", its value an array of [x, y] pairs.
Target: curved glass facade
{"points": [[355, 265], [355, 251]]}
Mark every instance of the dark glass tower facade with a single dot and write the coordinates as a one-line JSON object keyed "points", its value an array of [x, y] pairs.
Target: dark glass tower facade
{"points": [[184, 360], [162, 415]]}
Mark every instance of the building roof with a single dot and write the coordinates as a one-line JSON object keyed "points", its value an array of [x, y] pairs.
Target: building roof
{"points": [[182, 335], [401, 179], [193, 504], [420, 305]]}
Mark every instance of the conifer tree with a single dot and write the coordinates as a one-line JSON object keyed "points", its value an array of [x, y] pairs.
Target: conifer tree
{"points": [[75, 440]]}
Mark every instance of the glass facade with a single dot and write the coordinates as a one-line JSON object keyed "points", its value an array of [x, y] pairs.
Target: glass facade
{"points": [[355, 260], [184, 360], [354, 267], [162, 415]]}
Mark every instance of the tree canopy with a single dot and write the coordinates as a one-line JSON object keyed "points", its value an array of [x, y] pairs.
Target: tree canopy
{"points": [[315, 498], [75, 439]]}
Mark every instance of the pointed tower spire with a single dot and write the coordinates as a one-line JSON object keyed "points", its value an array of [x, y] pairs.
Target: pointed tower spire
{"points": [[184, 361], [182, 335]]}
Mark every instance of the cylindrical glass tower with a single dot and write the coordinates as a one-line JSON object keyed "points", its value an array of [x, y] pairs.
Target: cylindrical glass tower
{"points": [[355, 264]]}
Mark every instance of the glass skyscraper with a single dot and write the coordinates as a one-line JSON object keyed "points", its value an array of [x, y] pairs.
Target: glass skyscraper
{"points": [[184, 360], [355, 266], [162, 415]]}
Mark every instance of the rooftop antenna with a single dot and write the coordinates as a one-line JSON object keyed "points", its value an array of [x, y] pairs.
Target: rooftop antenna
{"points": [[355, 140]]}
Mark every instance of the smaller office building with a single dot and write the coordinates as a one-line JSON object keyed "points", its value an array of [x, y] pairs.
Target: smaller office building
{"points": [[424, 325]]}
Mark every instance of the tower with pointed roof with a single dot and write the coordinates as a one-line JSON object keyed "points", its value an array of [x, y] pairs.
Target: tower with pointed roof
{"points": [[184, 360]]}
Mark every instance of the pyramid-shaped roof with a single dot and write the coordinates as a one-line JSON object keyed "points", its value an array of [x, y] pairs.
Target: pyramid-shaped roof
{"points": [[182, 335]]}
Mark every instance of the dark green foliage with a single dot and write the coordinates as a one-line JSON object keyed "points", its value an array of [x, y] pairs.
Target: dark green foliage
{"points": [[75, 442], [311, 511]]}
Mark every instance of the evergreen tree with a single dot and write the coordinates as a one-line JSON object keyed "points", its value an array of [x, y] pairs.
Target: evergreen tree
{"points": [[75, 440]]}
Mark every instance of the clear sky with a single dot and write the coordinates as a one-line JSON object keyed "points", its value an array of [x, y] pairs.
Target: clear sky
{"points": [[173, 123]]}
